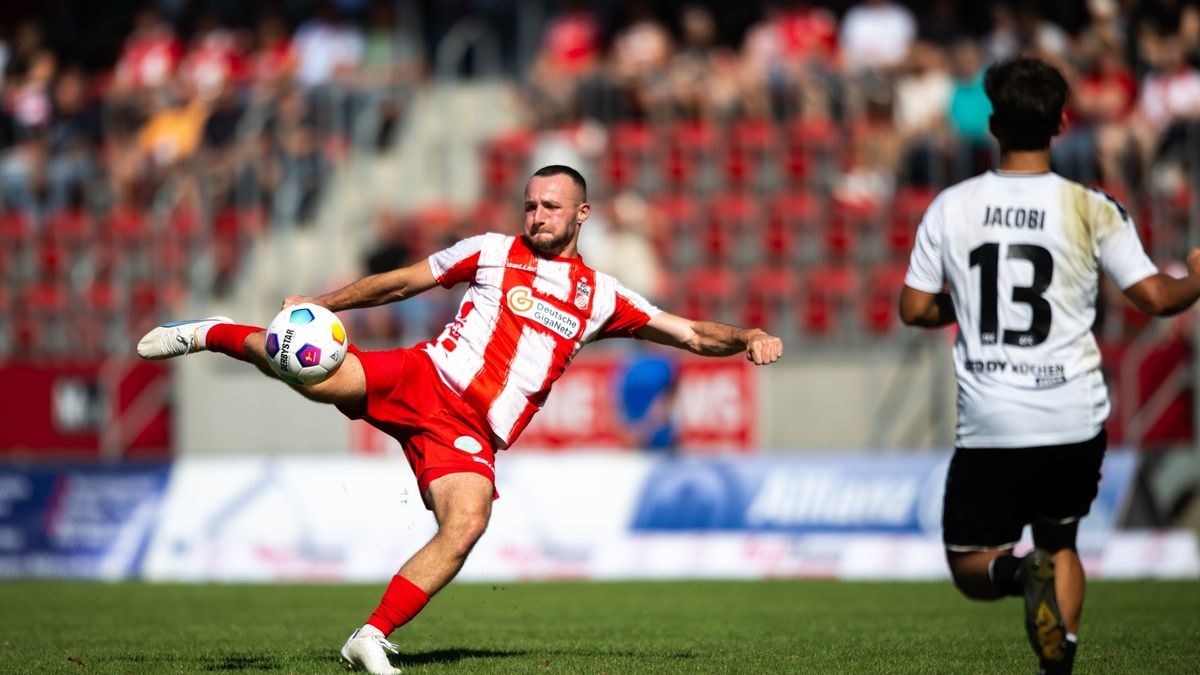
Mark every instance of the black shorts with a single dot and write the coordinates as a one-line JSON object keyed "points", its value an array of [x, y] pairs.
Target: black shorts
{"points": [[992, 493]]}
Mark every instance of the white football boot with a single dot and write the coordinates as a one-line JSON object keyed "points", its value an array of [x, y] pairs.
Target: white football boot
{"points": [[367, 649], [175, 338]]}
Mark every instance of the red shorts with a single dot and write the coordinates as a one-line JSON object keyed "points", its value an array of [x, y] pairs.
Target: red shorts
{"points": [[440, 433]]}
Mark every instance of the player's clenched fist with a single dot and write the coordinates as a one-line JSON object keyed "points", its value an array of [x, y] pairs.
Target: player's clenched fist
{"points": [[762, 348]]}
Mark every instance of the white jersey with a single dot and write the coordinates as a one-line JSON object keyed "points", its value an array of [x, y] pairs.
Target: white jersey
{"points": [[522, 320], [1022, 255]]}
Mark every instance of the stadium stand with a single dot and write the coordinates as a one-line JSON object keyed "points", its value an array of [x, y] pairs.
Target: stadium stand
{"points": [[786, 167]]}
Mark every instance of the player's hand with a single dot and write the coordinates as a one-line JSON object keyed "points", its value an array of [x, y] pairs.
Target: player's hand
{"points": [[296, 300], [762, 348]]}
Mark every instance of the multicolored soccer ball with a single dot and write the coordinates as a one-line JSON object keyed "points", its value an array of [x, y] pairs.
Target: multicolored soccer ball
{"points": [[306, 343]]}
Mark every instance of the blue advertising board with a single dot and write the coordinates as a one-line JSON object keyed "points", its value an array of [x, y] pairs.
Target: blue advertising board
{"points": [[92, 522], [853, 494]]}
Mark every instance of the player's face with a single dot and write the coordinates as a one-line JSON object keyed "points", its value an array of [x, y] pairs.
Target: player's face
{"points": [[553, 213]]}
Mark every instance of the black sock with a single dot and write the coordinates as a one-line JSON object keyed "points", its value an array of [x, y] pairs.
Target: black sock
{"points": [[1005, 573]]}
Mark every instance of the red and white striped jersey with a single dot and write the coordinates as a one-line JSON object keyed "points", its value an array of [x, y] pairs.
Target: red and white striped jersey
{"points": [[522, 320]]}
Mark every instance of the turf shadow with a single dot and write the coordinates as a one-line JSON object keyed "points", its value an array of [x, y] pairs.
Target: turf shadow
{"points": [[455, 654], [241, 662]]}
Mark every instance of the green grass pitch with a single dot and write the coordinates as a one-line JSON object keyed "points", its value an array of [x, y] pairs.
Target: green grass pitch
{"points": [[667, 627]]}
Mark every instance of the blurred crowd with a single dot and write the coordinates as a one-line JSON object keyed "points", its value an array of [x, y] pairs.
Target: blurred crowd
{"points": [[234, 115], [908, 80], [768, 163], [124, 185], [750, 162]]}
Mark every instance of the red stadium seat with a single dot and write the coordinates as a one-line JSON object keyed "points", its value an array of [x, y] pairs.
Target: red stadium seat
{"points": [[151, 300], [186, 222], [828, 289], [102, 297], [707, 293], [752, 143], [53, 258], [733, 217], [505, 159], [847, 223], [690, 151], [881, 299], [125, 237], [25, 335], [43, 323], [908, 208], [126, 226], [71, 227], [811, 144], [677, 225], [16, 240], [172, 260], [770, 297], [789, 214], [632, 146], [102, 318], [15, 229]]}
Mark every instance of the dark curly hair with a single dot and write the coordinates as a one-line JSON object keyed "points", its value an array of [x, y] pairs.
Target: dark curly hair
{"points": [[1028, 96]]}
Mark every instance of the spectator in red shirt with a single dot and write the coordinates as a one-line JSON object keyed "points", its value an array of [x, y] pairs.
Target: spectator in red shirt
{"points": [[568, 57], [151, 54], [215, 61], [273, 61]]}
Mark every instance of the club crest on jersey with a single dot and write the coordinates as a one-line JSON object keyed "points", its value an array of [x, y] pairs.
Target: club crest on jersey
{"points": [[583, 294], [523, 303], [468, 444]]}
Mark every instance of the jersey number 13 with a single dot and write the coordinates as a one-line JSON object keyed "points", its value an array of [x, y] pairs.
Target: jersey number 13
{"points": [[987, 257]]}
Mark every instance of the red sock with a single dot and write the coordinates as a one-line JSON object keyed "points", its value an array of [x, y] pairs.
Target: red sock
{"points": [[401, 602], [229, 338]]}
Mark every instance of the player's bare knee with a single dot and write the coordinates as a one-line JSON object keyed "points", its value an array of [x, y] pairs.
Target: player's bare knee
{"points": [[463, 530], [970, 575], [975, 587]]}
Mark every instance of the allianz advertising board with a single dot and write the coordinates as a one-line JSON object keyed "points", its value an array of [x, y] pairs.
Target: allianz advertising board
{"points": [[886, 494]]}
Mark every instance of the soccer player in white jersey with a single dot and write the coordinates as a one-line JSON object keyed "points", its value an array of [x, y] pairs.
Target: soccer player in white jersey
{"points": [[531, 304], [1014, 257]]}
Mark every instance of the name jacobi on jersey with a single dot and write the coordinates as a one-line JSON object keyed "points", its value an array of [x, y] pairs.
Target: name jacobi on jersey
{"points": [[1019, 218], [1022, 256]]}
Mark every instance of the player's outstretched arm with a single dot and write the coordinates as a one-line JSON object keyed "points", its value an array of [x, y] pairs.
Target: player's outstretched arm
{"points": [[1163, 294], [375, 290], [928, 310], [708, 338]]}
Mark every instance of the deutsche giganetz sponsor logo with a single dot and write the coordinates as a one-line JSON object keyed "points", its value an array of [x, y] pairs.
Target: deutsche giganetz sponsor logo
{"points": [[523, 303]]}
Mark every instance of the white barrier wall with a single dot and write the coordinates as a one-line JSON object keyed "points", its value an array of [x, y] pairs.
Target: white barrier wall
{"points": [[604, 516]]}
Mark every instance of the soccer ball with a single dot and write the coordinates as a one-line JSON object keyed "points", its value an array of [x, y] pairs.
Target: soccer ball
{"points": [[306, 343]]}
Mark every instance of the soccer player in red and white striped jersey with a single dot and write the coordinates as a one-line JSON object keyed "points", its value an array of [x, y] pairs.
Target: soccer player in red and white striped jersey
{"points": [[531, 305]]}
